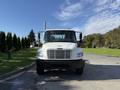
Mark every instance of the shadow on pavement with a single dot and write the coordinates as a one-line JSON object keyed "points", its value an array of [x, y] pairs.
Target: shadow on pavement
{"points": [[91, 72], [56, 80], [101, 72]]}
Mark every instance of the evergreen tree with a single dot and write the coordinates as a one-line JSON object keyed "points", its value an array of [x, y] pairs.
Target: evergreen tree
{"points": [[28, 43], [31, 37], [9, 41], [2, 41], [15, 42], [18, 43], [23, 43]]}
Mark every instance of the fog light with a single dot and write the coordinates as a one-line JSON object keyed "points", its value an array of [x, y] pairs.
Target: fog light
{"points": [[79, 54]]}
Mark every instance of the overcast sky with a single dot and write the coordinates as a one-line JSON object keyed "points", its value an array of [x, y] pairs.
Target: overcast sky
{"points": [[88, 16]]}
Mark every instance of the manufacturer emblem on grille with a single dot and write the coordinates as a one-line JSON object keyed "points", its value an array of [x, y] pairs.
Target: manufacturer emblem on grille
{"points": [[59, 48]]}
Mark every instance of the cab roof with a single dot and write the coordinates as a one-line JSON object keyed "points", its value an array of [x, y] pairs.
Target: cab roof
{"points": [[59, 29], [52, 29]]}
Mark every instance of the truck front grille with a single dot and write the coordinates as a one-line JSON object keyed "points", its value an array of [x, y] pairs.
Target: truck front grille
{"points": [[58, 54]]}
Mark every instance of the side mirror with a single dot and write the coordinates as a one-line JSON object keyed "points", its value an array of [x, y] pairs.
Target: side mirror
{"points": [[39, 36], [80, 40], [80, 37], [39, 42]]}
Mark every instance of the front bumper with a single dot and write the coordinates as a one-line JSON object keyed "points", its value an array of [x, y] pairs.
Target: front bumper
{"points": [[61, 63]]}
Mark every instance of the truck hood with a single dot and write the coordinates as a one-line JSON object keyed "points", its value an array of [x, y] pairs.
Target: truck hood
{"points": [[56, 45]]}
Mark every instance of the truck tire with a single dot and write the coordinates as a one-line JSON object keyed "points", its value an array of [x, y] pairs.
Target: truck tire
{"points": [[79, 70], [39, 68]]}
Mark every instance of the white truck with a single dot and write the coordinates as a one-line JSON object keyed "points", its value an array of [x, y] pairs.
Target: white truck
{"points": [[60, 50]]}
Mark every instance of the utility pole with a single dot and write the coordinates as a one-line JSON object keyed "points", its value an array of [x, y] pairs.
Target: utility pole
{"points": [[38, 39], [45, 27]]}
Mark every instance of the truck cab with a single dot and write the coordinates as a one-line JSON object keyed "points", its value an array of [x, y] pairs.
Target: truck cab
{"points": [[60, 50]]}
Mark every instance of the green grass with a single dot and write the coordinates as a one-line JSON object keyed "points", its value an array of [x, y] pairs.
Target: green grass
{"points": [[19, 59], [103, 51]]}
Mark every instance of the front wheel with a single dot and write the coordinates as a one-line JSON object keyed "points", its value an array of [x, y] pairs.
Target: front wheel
{"points": [[39, 68], [79, 70]]}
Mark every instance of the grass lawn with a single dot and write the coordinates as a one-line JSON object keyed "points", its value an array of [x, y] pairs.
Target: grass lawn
{"points": [[19, 59], [103, 51]]}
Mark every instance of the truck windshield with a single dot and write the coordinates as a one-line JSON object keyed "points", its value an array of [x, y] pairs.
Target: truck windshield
{"points": [[60, 36]]}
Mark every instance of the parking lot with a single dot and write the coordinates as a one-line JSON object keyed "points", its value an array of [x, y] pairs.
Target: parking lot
{"points": [[100, 73]]}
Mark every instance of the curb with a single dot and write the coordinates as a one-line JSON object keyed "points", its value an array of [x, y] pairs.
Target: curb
{"points": [[103, 55], [4, 76]]}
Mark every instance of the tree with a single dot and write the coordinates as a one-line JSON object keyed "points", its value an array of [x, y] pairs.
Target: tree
{"points": [[28, 43], [88, 41], [9, 41], [15, 42], [2, 41], [9, 44], [110, 39], [18, 43], [23, 43], [31, 37], [98, 40]]}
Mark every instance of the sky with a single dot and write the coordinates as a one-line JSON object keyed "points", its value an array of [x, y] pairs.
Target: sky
{"points": [[87, 16]]}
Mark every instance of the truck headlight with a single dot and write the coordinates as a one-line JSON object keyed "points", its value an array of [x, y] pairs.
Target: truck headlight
{"points": [[80, 54], [40, 53]]}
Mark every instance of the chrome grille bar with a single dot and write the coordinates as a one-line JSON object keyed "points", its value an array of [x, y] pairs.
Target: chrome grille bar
{"points": [[58, 54]]}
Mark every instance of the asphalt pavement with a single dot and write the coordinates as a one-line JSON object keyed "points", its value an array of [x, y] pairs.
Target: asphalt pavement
{"points": [[100, 73]]}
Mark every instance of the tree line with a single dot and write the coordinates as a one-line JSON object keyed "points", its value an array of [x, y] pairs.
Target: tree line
{"points": [[9, 42], [110, 39]]}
